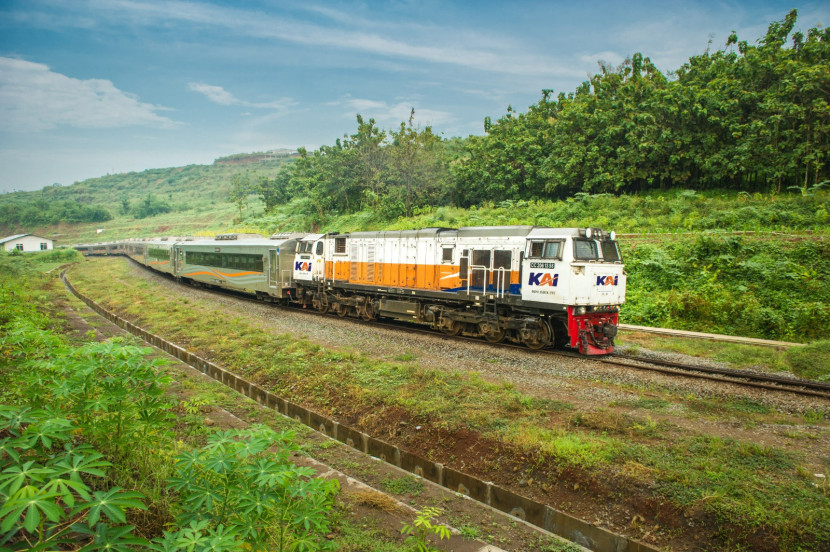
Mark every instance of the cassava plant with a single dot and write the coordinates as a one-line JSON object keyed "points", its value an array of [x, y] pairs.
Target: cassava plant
{"points": [[47, 488], [241, 487]]}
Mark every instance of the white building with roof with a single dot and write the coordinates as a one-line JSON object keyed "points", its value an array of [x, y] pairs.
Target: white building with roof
{"points": [[27, 243]]}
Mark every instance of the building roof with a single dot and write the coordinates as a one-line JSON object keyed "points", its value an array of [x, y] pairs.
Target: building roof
{"points": [[18, 236]]}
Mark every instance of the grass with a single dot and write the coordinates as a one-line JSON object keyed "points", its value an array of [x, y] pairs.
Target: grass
{"points": [[404, 485], [811, 361], [728, 478], [736, 355]]}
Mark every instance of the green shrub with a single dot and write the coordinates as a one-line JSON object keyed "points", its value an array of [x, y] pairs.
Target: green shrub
{"points": [[243, 485], [48, 496]]}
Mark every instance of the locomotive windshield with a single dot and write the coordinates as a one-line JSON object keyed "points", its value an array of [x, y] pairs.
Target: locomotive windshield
{"points": [[589, 250], [586, 250], [610, 251]]}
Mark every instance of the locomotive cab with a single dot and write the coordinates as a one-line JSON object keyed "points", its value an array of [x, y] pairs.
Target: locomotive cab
{"points": [[580, 272], [309, 260]]}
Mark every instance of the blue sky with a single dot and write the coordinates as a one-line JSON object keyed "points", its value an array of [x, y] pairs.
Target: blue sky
{"points": [[94, 87]]}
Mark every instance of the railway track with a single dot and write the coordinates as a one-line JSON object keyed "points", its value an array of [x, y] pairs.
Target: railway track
{"points": [[743, 378]]}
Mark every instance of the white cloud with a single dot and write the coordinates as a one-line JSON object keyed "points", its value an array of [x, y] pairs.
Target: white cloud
{"points": [[219, 95], [216, 94], [393, 114], [34, 98], [432, 44]]}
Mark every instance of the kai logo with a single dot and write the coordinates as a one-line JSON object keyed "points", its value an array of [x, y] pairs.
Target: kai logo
{"points": [[543, 279], [608, 280], [302, 266]]}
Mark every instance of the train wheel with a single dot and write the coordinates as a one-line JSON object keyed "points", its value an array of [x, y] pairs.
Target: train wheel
{"points": [[451, 327], [367, 313], [491, 335], [538, 336], [323, 308], [341, 310]]}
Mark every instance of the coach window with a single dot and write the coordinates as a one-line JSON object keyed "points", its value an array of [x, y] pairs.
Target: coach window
{"points": [[447, 256], [340, 245]]}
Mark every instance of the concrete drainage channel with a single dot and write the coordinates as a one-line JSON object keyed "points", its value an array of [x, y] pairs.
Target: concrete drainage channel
{"points": [[503, 500]]}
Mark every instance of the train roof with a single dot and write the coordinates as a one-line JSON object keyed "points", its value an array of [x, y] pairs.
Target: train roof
{"points": [[472, 232], [261, 241]]}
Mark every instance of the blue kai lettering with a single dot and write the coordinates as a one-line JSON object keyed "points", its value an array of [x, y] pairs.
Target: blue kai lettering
{"points": [[608, 280], [543, 279]]}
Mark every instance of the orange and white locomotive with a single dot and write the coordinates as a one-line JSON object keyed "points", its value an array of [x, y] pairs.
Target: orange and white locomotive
{"points": [[531, 285]]}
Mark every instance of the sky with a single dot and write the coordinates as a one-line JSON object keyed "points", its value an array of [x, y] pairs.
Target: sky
{"points": [[96, 87]]}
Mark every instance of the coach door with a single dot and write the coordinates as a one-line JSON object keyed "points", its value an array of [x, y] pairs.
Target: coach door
{"points": [[273, 268], [176, 258]]}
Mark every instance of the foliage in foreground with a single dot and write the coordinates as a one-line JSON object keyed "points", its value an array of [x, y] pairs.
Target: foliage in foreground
{"points": [[48, 496], [104, 418], [242, 486]]}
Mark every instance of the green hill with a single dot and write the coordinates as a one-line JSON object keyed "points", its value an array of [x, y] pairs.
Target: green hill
{"points": [[176, 201]]}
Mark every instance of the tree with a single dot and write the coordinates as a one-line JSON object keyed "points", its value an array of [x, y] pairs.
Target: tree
{"points": [[238, 193]]}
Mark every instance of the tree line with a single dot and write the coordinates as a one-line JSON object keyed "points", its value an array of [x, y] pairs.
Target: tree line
{"points": [[393, 173], [41, 212], [747, 117]]}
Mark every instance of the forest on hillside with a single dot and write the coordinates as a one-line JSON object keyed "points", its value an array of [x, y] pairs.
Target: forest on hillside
{"points": [[749, 117]]}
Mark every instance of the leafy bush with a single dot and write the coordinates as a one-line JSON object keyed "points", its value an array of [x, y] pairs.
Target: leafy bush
{"points": [[47, 496], [738, 286], [105, 418], [242, 487], [150, 206]]}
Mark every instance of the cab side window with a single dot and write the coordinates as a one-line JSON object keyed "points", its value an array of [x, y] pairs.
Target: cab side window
{"points": [[547, 249], [553, 249]]}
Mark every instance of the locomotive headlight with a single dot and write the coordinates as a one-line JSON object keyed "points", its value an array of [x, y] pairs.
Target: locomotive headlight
{"points": [[581, 310], [613, 235], [588, 232]]}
